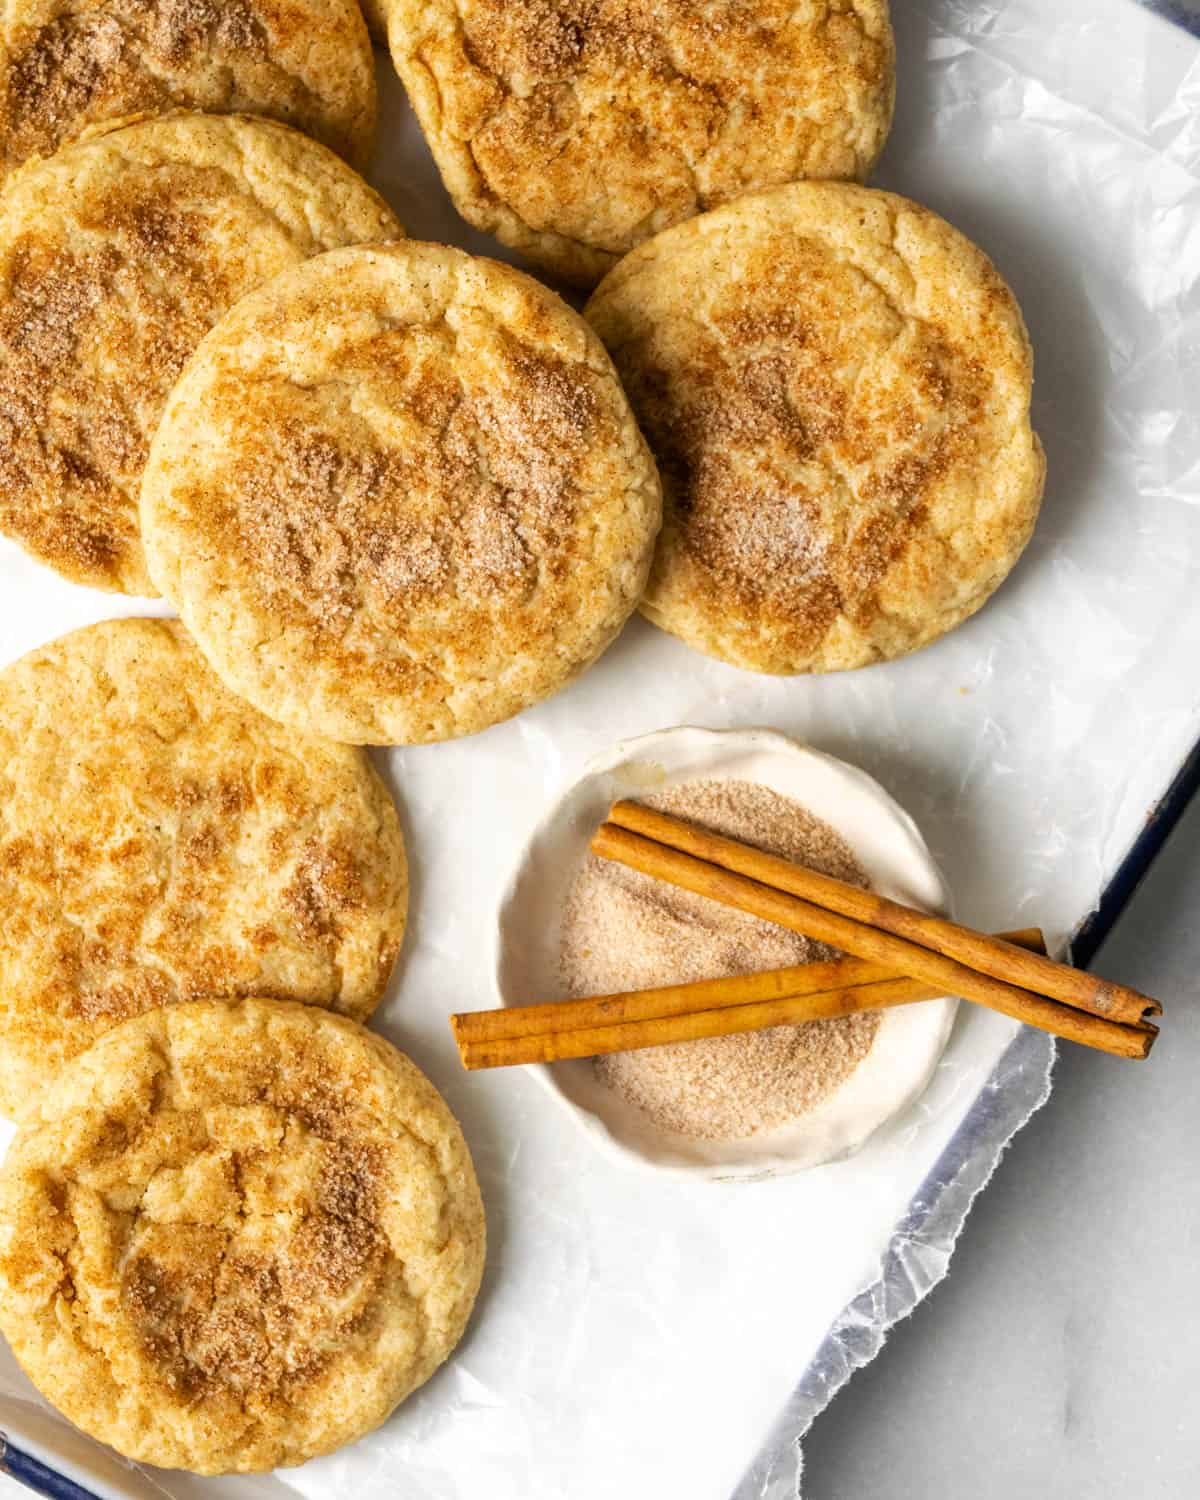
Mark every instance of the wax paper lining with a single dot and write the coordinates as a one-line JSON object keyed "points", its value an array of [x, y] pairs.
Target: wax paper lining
{"points": [[645, 1338]]}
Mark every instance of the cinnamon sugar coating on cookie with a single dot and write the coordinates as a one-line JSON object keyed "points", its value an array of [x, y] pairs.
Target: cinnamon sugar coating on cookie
{"points": [[421, 502], [842, 426], [161, 841], [66, 65], [116, 258], [236, 1236], [574, 129]]}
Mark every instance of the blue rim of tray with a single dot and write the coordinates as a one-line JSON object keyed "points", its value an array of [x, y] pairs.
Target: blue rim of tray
{"points": [[1173, 10], [1090, 935], [37, 1476]]}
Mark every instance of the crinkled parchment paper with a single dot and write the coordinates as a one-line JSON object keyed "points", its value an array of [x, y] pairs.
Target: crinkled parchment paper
{"points": [[645, 1337]]}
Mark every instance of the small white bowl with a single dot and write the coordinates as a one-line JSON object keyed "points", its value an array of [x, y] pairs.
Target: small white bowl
{"points": [[884, 839]]}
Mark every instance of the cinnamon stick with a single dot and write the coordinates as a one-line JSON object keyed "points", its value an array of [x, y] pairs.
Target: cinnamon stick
{"points": [[975, 950], [685, 1012], [946, 975], [728, 1020], [683, 999]]}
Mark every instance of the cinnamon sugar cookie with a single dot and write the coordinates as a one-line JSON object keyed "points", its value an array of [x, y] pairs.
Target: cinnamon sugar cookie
{"points": [[116, 256], [162, 841], [836, 385], [574, 129], [398, 495], [236, 1236], [67, 64]]}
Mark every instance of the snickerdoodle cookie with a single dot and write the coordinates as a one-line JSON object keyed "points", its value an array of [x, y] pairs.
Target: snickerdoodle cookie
{"points": [[236, 1236], [161, 841], [574, 129], [398, 495], [836, 385], [68, 64], [116, 256]]}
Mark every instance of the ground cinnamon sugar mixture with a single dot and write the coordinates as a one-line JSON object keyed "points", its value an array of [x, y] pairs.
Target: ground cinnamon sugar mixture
{"points": [[623, 931]]}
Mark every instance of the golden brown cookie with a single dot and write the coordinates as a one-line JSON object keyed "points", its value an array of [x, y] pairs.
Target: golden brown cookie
{"points": [[116, 256], [836, 386], [236, 1236], [398, 495], [161, 841], [68, 64], [574, 129]]}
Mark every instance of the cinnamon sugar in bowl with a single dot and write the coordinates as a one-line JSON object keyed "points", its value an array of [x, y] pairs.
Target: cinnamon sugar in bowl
{"points": [[755, 1104]]}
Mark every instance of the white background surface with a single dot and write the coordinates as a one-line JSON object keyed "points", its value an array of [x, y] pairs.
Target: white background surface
{"points": [[1028, 745]]}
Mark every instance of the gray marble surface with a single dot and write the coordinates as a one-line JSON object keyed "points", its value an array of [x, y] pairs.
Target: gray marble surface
{"points": [[1061, 1356]]}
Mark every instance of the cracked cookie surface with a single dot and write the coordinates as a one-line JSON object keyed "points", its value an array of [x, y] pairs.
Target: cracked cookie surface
{"points": [[236, 1236], [117, 255], [836, 385], [161, 841], [398, 495], [68, 64], [574, 129]]}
